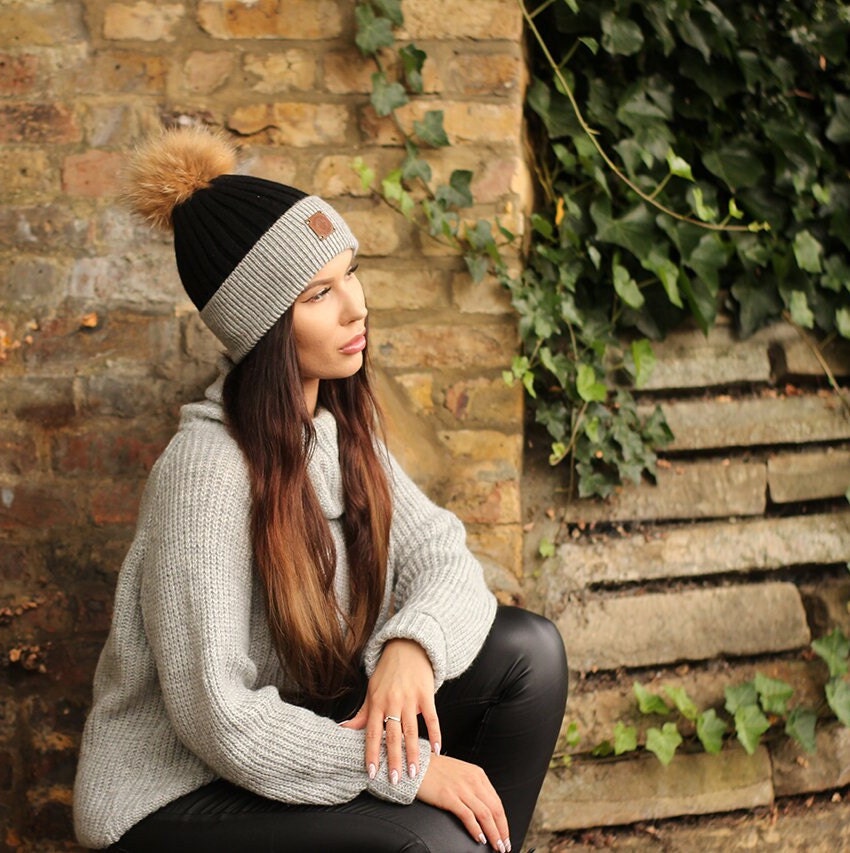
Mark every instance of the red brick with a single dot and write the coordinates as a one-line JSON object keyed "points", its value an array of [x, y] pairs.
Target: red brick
{"points": [[32, 506], [107, 448], [18, 454], [38, 123], [116, 502], [94, 174], [123, 71], [17, 73]]}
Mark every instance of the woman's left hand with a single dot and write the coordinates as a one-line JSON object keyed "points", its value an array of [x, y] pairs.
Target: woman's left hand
{"points": [[402, 686]]}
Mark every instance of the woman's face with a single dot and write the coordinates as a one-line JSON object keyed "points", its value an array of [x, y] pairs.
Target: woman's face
{"points": [[329, 325]]}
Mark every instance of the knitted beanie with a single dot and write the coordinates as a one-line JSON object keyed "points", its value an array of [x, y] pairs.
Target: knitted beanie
{"points": [[245, 247]]}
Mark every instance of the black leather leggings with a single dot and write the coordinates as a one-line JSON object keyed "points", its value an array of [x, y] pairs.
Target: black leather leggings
{"points": [[503, 713]]}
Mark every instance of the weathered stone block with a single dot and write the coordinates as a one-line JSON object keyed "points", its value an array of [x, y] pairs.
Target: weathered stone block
{"points": [[690, 490], [440, 19], [414, 347], [403, 288], [26, 505], [204, 72], [475, 74], [609, 793], [93, 174], [295, 123], [143, 21], [46, 401], [122, 71], [289, 19], [482, 400], [40, 24], [18, 73], [797, 772], [116, 502], [808, 476], [705, 549], [26, 173], [292, 70], [656, 628], [727, 422], [38, 123]]}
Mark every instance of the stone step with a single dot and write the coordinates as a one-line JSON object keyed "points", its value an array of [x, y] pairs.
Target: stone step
{"points": [[793, 477], [748, 422], [607, 793], [690, 490], [708, 548], [797, 772], [658, 628], [597, 709]]}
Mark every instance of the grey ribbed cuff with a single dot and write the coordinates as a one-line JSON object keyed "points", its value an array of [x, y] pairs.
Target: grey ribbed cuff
{"points": [[272, 275]]}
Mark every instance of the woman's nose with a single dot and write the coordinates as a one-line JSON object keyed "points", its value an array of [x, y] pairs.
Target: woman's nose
{"points": [[355, 302]]}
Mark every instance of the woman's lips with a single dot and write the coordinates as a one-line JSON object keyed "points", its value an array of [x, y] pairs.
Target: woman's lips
{"points": [[355, 345]]}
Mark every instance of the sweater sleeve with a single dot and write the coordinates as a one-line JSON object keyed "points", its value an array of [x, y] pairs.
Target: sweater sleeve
{"points": [[441, 599], [197, 604]]}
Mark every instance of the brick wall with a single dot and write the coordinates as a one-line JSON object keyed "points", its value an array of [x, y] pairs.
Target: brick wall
{"points": [[99, 347]]}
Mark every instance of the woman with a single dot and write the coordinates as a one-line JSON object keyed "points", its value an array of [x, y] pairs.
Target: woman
{"points": [[303, 654]]}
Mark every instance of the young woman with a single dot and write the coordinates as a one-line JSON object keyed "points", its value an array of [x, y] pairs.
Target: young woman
{"points": [[303, 654]]}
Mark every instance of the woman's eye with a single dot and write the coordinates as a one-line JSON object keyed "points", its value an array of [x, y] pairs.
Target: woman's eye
{"points": [[317, 297], [352, 270]]}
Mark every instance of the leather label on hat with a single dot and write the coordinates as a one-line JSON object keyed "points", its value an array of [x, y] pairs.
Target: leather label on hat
{"points": [[320, 225]]}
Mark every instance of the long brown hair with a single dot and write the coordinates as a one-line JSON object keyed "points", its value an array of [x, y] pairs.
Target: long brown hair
{"points": [[293, 547]]}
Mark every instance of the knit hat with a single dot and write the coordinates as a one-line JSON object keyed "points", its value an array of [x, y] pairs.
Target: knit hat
{"points": [[245, 247]]}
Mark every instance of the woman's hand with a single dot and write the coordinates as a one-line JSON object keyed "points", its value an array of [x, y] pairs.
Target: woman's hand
{"points": [[464, 790], [401, 686]]}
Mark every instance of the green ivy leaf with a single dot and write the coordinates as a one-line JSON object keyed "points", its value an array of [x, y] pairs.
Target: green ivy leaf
{"points": [[390, 9], [394, 191], [603, 749], [412, 60], [737, 696], [587, 386], [808, 251], [838, 129], [838, 697], [663, 742], [738, 166], [626, 287], [774, 694], [625, 738], [834, 648], [710, 731], [456, 193], [572, 736], [546, 548], [373, 32], [649, 703], [842, 322], [430, 130], [386, 96], [367, 174], [679, 166], [705, 212], [620, 35], [644, 359], [750, 725], [800, 726], [668, 273], [682, 701], [801, 314]]}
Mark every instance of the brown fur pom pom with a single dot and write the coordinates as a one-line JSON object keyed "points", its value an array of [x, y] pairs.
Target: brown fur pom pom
{"points": [[165, 171]]}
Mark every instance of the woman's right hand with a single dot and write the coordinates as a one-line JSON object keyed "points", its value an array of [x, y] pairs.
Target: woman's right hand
{"points": [[464, 790]]}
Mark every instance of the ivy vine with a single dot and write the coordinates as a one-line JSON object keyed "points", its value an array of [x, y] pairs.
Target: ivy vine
{"points": [[751, 711]]}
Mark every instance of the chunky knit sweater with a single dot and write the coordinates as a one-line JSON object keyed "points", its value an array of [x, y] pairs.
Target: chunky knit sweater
{"points": [[188, 686]]}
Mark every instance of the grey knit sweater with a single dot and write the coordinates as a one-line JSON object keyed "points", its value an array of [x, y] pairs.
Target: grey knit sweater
{"points": [[188, 685]]}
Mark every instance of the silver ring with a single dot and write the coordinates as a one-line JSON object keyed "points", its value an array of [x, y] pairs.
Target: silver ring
{"points": [[391, 717]]}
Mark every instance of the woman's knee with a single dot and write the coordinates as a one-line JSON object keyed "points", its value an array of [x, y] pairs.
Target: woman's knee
{"points": [[536, 640]]}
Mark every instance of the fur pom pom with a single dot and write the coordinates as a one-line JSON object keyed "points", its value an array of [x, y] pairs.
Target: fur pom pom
{"points": [[165, 171]]}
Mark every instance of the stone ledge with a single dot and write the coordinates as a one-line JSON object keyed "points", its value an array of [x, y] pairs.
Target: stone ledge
{"points": [[604, 793], [797, 772], [646, 630], [808, 476], [710, 548], [689, 490], [723, 422]]}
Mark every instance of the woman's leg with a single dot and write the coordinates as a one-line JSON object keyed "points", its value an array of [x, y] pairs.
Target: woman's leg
{"points": [[504, 713], [222, 818]]}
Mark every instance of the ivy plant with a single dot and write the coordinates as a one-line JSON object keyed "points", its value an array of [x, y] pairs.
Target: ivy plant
{"points": [[751, 711]]}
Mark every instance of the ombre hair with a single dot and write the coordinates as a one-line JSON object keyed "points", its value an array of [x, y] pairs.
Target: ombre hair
{"points": [[294, 551]]}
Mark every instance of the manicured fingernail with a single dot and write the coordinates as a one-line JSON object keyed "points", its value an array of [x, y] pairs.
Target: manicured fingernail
{"points": [[481, 838], [373, 771], [394, 777], [412, 771], [508, 845], [500, 846], [436, 749]]}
